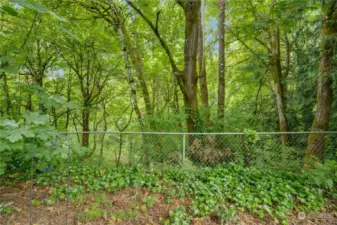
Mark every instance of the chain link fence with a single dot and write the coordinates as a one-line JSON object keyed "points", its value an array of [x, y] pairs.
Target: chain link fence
{"points": [[112, 150]]}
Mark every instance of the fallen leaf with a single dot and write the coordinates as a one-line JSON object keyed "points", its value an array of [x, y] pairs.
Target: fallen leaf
{"points": [[26, 185], [14, 175], [17, 209], [301, 216]]}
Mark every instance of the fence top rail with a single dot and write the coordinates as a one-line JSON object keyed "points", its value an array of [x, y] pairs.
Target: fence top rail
{"points": [[186, 133]]}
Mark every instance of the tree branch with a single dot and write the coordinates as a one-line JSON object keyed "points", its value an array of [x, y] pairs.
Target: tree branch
{"points": [[246, 46], [157, 19], [155, 30], [177, 73]]}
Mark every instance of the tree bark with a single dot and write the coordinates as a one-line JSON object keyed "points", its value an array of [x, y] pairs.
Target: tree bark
{"points": [[137, 62], [124, 43], [221, 83], [29, 104], [85, 126], [186, 80], [191, 10], [69, 85], [315, 146], [202, 72], [105, 128], [7, 98], [276, 81]]}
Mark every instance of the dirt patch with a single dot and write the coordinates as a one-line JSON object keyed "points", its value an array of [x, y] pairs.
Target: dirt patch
{"points": [[117, 207], [124, 207]]}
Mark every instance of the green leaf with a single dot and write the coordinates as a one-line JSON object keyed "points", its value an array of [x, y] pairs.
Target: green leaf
{"points": [[35, 118], [34, 6], [5, 145], [329, 182], [9, 123], [10, 70], [6, 58], [51, 201], [67, 32], [73, 105], [9, 10], [58, 17], [36, 202], [25, 131], [57, 98], [14, 137], [2, 167]]}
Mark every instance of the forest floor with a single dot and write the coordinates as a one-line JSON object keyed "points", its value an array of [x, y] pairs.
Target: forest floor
{"points": [[126, 206]]}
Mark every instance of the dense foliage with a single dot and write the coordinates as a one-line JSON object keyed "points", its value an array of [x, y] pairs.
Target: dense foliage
{"points": [[73, 49], [201, 66]]}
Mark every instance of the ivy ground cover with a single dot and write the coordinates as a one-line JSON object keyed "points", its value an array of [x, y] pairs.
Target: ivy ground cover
{"points": [[226, 194]]}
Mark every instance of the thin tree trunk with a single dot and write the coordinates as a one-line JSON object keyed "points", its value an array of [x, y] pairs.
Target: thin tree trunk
{"points": [[7, 98], [77, 133], [315, 146], [39, 73], [221, 84], [276, 82], [118, 157], [53, 112], [202, 72], [105, 127], [68, 100], [124, 43], [137, 61], [85, 126], [95, 126], [176, 98], [288, 59], [29, 105]]}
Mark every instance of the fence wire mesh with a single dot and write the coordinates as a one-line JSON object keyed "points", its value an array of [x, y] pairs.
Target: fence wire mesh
{"points": [[114, 149], [133, 149]]}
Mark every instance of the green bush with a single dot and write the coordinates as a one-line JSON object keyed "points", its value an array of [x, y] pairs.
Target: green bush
{"points": [[20, 141]]}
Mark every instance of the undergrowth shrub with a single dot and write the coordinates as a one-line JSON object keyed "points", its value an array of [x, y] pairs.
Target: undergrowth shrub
{"points": [[22, 140], [223, 190]]}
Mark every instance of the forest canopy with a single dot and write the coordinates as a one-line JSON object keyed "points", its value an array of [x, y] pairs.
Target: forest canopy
{"points": [[184, 65]]}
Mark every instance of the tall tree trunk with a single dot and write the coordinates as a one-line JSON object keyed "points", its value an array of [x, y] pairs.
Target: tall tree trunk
{"points": [[191, 10], [95, 126], [55, 118], [286, 71], [315, 146], [137, 62], [175, 98], [221, 84], [68, 100], [39, 73], [187, 80], [29, 105], [7, 98], [124, 43], [85, 126], [77, 133], [202, 71], [276, 81], [105, 128]]}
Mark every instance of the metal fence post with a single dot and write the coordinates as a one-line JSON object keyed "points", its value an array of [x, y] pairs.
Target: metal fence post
{"points": [[184, 146]]}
